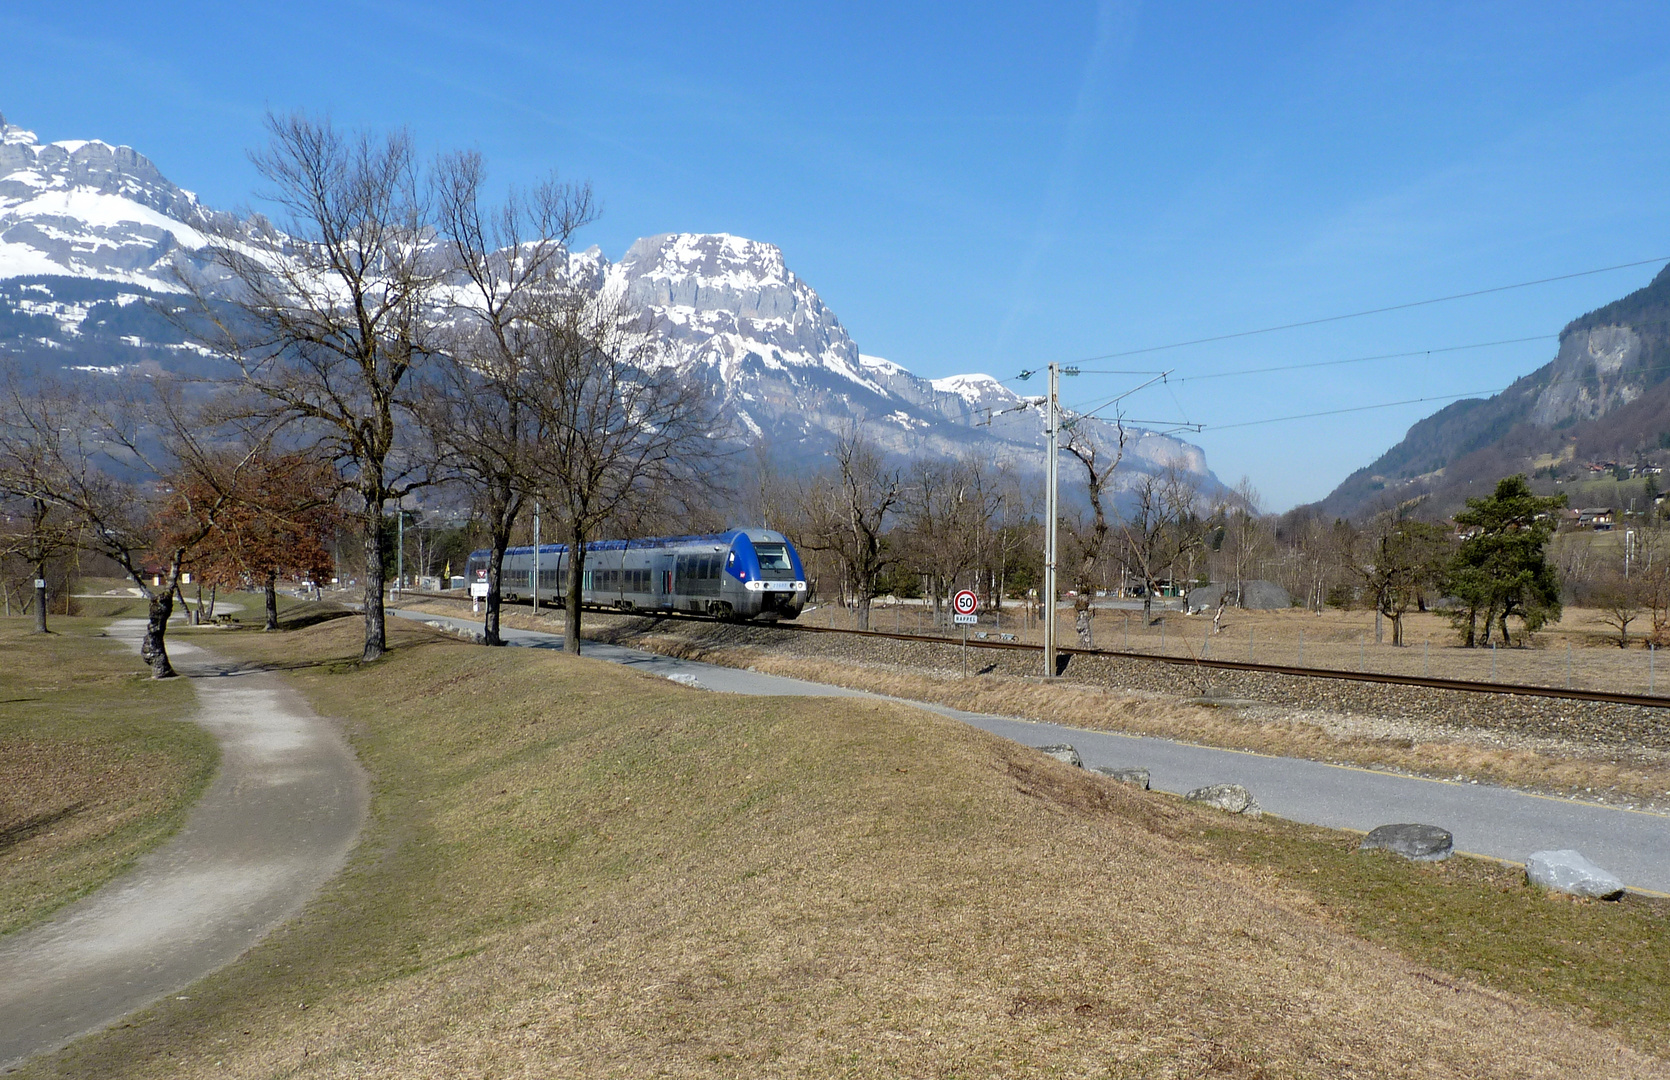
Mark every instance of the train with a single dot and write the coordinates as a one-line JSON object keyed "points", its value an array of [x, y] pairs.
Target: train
{"points": [[740, 574]]}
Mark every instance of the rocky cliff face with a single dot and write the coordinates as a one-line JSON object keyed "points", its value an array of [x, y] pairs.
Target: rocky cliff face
{"points": [[1595, 372], [1603, 398]]}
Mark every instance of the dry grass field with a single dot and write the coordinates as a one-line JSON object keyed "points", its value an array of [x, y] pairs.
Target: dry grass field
{"points": [[1617, 774], [576, 870], [98, 763]]}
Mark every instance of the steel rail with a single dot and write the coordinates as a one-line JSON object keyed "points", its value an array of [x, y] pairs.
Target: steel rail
{"points": [[1469, 686]]}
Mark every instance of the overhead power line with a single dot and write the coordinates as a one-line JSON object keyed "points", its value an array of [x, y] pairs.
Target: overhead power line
{"points": [[1371, 311], [1352, 409], [1361, 359]]}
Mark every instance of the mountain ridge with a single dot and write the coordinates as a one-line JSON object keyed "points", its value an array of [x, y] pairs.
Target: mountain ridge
{"points": [[91, 234], [1604, 397]]}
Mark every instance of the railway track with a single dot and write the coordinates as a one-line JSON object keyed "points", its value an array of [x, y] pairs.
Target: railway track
{"points": [[1469, 686]]}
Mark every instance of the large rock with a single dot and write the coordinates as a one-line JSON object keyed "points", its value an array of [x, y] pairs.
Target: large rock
{"points": [[1570, 872], [1063, 753], [1255, 596], [1139, 777], [1422, 843], [1231, 797]]}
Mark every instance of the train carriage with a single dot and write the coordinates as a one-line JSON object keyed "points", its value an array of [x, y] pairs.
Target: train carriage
{"points": [[740, 574]]}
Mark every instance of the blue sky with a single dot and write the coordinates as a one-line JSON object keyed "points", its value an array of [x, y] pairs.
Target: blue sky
{"points": [[992, 187]]}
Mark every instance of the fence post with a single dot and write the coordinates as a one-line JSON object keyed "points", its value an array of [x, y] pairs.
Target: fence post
{"points": [[1568, 665], [1206, 644], [1362, 652], [1249, 645], [1652, 651], [1492, 661], [1426, 658], [1301, 648]]}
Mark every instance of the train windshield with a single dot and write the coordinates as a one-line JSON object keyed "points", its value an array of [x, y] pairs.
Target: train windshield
{"points": [[774, 562]]}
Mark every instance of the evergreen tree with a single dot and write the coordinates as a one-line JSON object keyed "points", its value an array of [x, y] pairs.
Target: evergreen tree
{"points": [[1501, 570]]}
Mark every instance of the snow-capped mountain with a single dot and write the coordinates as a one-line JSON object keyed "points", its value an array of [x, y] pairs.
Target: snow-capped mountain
{"points": [[87, 209], [729, 310], [89, 232]]}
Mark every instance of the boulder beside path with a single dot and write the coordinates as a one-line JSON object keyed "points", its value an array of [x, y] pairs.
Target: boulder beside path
{"points": [[1063, 753], [1231, 797], [1421, 843], [1570, 872], [1138, 777]]}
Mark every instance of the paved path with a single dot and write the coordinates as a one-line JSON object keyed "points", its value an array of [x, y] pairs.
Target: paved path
{"points": [[277, 822], [1500, 823]]}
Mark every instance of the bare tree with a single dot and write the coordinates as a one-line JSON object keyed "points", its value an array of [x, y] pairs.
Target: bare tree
{"points": [[946, 506], [1397, 559], [133, 476], [507, 261], [614, 426], [1091, 541], [34, 529], [1621, 600], [1244, 537], [1159, 528], [331, 318], [849, 512]]}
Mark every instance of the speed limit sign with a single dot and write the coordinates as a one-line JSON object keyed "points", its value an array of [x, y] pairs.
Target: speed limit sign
{"points": [[964, 604]]}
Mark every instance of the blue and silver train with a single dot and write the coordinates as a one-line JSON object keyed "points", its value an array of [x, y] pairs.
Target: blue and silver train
{"points": [[740, 574]]}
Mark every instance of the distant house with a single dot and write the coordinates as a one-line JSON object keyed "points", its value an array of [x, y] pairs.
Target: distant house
{"points": [[1598, 518]]}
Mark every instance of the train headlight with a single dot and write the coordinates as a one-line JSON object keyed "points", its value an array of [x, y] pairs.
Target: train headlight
{"points": [[754, 586]]}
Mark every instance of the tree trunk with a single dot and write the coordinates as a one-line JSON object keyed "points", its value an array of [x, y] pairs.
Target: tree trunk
{"points": [[495, 594], [376, 631], [1081, 622], [272, 601], [571, 613], [40, 598], [154, 650], [863, 609]]}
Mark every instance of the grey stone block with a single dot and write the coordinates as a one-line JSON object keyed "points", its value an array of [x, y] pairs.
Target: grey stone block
{"points": [[1231, 797], [1422, 843], [1063, 753], [1570, 872], [1139, 777]]}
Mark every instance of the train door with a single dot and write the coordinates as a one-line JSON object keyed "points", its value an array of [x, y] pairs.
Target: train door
{"points": [[661, 567]]}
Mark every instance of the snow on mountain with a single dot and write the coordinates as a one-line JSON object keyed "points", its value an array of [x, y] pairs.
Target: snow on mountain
{"points": [[86, 209], [728, 310], [87, 230]]}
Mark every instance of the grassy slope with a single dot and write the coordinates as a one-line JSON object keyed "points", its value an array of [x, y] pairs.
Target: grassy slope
{"points": [[97, 764], [575, 870]]}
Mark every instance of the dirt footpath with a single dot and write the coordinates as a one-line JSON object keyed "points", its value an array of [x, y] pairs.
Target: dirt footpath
{"points": [[277, 823]]}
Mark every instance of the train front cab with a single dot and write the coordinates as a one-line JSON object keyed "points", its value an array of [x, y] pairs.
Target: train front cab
{"points": [[770, 575]]}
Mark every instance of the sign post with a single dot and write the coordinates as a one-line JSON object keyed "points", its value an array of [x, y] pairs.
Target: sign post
{"points": [[963, 608]]}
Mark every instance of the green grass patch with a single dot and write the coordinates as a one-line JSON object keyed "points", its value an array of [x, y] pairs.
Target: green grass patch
{"points": [[1607, 962], [99, 763]]}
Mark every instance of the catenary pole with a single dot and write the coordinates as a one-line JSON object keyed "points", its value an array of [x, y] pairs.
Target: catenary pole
{"points": [[1051, 424], [400, 550], [536, 556]]}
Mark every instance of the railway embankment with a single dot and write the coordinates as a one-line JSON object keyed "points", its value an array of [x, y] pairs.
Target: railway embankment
{"points": [[1607, 751]]}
